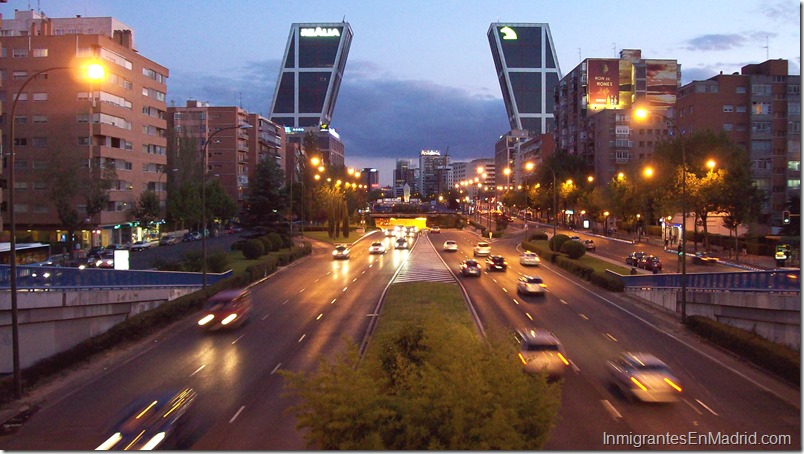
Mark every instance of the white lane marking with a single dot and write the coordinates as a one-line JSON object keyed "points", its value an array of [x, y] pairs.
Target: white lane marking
{"points": [[516, 302], [285, 302], [198, 370], [316, 280], [236, 414], [276, 368], [344, 289], [610, 408], [574, 367], [563, 302], [505, 290], [328, 273], [300, 339], [583, 316], [364, 271], [234, 341], [531, 318], [495, 280], [302, 290], [265, 316], [692, 406], [333, 301], [354, 280], [704, 405], [319, 316], [613, 339]]}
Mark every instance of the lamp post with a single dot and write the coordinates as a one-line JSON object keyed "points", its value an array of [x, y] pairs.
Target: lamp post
{"points": [[682, 247], [204, 198], [93, 71]]}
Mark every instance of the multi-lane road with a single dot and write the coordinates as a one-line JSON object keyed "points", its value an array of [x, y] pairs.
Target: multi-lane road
{"points": [[309, 311]]}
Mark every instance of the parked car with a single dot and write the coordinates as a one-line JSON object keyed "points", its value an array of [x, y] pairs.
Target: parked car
{"points": [[470, 267], [341, 252], [450, 246], [575, 238], [633, 258], [192, 236], [529, 258], [226, 309], [481, 249], [541, 351], [530, 285], [644, 377], [589, 245], [140, 245], [496, 263], [650, 263], [377, 248], [704, 258], [168, 240]]}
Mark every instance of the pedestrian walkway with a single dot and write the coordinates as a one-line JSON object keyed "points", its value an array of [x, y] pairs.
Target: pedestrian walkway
{"points": [[423, 264]]}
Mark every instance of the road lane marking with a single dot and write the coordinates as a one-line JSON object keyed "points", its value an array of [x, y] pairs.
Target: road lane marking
{"points": [[300, 339], [234, 341], [614, 339], [692, 406], [302, 290], [354, 280], [610, 408], [528, 314], [505, 290], [575, 368], [265, 316], [516, 302], [562, 301], [276, 368], [583, 316], [236, 414], [333, 301], [319, 316], [344, 289], [198, 370], [704, 405], [285, 302]]}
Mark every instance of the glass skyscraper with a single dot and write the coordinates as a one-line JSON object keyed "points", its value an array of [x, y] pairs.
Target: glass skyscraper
{"points": [[527, 68], [311, 74]]}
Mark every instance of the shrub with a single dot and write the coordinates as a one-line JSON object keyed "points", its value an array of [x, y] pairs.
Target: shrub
{"points": [[276, 241], [253, 249], [574, 249], [556, 241], [574, 267], [218, 261], [607, 281], [267, 243], [238, 245], [538, 236], [192, 261]]}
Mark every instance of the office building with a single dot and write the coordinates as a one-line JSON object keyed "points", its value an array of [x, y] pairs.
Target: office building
{"points": [[371, 178], [111, 131], [433, 173], [311, 74], [404, 173], [330, 147]]}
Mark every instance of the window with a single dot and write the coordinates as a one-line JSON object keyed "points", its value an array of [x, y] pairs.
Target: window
{"points": [[741, 109], [761, 89], [82, 118], [40, 208], [19, 53], [20, 75], [83, 141], [40, 119], [741, 90], [40, 165], [19, 120], [40, 52], [761, 108], [728, 108], [40, 96], [728, 127], [39, 141], [20, 142], [21, 96], [40, 185]]}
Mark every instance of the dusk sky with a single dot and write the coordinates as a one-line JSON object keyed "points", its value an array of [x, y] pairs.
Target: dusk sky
{"points": [[420, 73]]}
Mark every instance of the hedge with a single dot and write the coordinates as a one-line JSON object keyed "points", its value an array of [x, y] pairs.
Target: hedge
{"points": [[600, 279]]}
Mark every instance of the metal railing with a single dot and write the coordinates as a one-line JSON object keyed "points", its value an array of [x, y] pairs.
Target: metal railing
{"points": [[742, 281]]}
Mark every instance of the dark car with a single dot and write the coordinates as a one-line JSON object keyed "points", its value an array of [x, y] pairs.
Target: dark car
{"points": [[153, 421], [650, 263], [634, 257], [704, 258], [470, 268], [496, 263]]}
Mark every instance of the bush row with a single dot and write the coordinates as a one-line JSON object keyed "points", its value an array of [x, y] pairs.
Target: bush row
{"points": [[145, 323], [598, 278], [776, 358]]}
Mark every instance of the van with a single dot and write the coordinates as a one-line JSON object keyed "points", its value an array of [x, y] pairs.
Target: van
{"points": [[227, 309]]}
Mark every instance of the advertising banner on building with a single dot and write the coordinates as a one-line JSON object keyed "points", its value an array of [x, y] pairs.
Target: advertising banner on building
{"points": [[603, 83], [662, 81]]}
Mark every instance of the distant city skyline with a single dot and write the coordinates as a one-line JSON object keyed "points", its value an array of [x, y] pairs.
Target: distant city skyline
{"points": [[420, 74]]}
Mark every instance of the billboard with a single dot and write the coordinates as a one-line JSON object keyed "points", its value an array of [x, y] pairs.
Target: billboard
{"points": [[662, 83], [603, 83]]}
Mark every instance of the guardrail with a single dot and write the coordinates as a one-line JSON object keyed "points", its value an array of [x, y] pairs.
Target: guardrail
{"points": [[751, 281], [60, 278]]}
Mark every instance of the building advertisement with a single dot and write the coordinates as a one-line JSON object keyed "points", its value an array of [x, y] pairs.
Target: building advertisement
{"points": [[603, 83], [662, 82]]}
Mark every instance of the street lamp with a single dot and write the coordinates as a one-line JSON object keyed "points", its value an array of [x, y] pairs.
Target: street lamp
{"points": [[641, 114], [94, 71], [204, 198]]}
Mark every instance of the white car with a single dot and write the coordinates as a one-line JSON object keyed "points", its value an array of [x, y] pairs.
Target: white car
{"points": [[481, 249], [529, 258], [450, 246], [140, 245], [377, 248], [341, 252], [540, 350], [644, 377], [530, 285]]}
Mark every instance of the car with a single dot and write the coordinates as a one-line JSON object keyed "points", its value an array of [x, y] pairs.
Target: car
{"points": [[226, 309], [481, 249], [644, 377], [530, 285], [575, 238], [470, 267], [633, 258], [540, 351], [341, 252], [529, 258], [589, 245], [435, 229], [117, 247], [401, 243], [377, 248], [496, 263], [103, 259], [140, 245], [704, 258], [650, 263], [450, 246], [157, 420], [192, 236], [168, 240]]}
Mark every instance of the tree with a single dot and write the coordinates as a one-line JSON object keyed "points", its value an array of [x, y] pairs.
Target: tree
{"points": [[184, 196], [184, 205], [147, 208], [267, 199], [219, 205]]}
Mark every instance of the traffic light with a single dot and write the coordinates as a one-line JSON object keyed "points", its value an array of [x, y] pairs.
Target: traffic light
{"points": [[785, 217]]}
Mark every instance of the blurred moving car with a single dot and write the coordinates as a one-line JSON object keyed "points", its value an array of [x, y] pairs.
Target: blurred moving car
{"points": [[633, 258], [450, 246], [401, 243], [541, 351], [529, 258], [704, 258], [589, 245], [470, 267], [168, 240], [435, 229], [341, 252], [192, 236], [496, 263], [377, 248], [644, 376], [140, 245], [226, 309], [481, 249], [103, 259], [151, 422], [650, 263], [530, 285], [575, 238]]}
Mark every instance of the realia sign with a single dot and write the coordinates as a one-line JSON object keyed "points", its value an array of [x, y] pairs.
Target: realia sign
{"points": [[320, 32]]}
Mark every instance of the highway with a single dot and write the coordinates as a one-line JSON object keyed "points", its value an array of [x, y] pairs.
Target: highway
{"points": [[307, 311]]}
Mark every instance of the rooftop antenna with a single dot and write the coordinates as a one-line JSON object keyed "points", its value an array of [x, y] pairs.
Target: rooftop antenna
{"points": [[579, 55], [614, 49]]}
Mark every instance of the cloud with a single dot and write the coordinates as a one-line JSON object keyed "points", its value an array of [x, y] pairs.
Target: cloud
{"points": [[716, 42], [783, 11]]}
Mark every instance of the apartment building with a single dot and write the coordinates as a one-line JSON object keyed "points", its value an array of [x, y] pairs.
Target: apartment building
{"points": [[114, 128]]}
